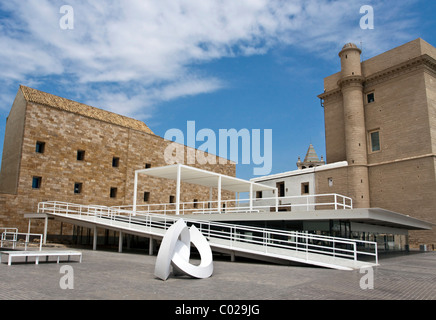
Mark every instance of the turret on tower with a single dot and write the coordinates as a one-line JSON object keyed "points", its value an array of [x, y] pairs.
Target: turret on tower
{"points": [[351, 85]]}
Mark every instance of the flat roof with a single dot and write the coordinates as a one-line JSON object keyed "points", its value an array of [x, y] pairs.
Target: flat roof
{"points": [[375, 216], [301, 171], [204, 178]]}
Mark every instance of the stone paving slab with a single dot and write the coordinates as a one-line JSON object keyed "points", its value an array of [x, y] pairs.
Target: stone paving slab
{"points": [[108, 275]]}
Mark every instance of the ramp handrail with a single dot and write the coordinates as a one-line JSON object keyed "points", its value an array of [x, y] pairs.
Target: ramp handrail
{"points": [[232, 235], [307, 202], [13, 236]]}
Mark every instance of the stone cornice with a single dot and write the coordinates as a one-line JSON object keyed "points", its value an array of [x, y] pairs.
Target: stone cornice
{"points": [[412, 64], [330, 93], [424, 61], [351, 81]]}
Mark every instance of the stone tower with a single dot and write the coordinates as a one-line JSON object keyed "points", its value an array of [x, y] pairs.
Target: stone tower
{"points": [[311, 160], [351, 86]]}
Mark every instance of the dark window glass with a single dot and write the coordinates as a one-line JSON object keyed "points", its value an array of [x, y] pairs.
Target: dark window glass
{"points": [[40, 146], [36, 182], [375, 141], [80, 155], [113, 193], [115, 162]]}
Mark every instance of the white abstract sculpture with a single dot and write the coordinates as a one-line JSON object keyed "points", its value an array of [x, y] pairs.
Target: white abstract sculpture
{"points": [[175, 250]]}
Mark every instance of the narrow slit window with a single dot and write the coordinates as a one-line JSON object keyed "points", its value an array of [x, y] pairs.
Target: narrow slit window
{"points": [[146, 196], [36, 182], [172, 199], [115, 162], [113, 192], [80, 155], [40, 147], [370, 97], [78, 187]]}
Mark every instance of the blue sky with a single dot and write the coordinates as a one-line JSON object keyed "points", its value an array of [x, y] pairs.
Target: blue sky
{"points": [[252, 64]]}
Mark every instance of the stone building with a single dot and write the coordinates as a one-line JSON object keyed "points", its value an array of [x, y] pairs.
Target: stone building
{"points": [[380, 117], [56, 149]]}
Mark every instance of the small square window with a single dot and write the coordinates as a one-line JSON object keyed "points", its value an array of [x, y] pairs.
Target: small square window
{"points": [[146, 196], [36, 182], [370, 97], [113, 193], [40, 146], [305, 188], [147, 165], [375, 141], [172, 199], [258, 194], [78, 187], [80, 155], [115, 162]]}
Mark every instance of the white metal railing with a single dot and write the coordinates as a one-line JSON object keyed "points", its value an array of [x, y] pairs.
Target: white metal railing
{"points": [[288, 203], [231, 235], [17, 238]]}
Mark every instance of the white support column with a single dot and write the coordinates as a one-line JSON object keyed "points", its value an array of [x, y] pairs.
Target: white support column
{"points": [[150, 247], [45, 229], [120, 242], [251, 197], [28, 228], [179, 175], [94, 242], [210, 198], [277, 199], [135, 193], [219, 194]]}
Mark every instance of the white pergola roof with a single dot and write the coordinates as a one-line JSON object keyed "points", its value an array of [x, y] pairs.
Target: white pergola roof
{"points": [[204, 178], [182, 173]]}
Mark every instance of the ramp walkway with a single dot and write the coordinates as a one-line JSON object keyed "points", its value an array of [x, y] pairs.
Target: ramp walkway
{"points": [[257, 243]]}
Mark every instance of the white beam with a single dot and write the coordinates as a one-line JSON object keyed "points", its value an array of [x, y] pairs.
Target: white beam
{"points": [[277, 199], [219, 193], [251, 196], [135, 193], [179, 175], [94, 242], [120, 242], [45, 229], [150, 246]]}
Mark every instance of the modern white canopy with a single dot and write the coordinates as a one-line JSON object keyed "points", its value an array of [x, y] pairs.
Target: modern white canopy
{"points": [[187, 174]]}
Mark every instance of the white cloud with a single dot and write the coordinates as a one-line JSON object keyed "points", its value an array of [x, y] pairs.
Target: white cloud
{"points": [[147, 47]]}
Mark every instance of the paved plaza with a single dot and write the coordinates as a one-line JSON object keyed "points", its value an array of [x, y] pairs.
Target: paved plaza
{"points": [[107, 274]]}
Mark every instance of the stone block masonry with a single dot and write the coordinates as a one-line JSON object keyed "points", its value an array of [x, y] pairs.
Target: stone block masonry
{"points": [[101, 137]]}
